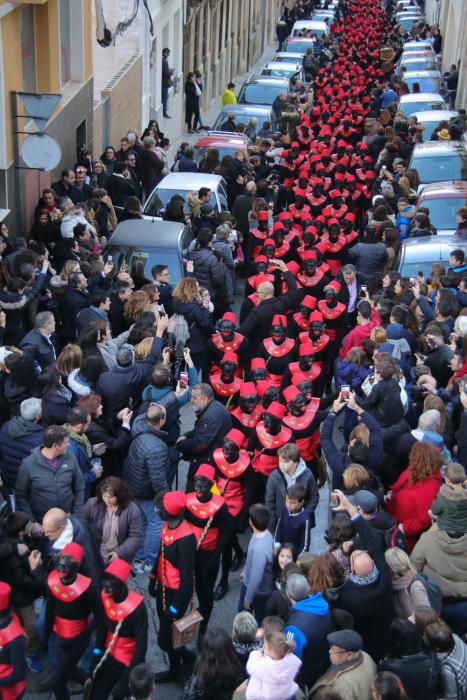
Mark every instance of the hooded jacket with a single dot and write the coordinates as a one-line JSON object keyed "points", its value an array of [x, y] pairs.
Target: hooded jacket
{"points": [[350, 680], [309, 624], [208, 270], [271, 679], [18, 437], [451, 508], [444, 559], [276, 491], [145, 468]]}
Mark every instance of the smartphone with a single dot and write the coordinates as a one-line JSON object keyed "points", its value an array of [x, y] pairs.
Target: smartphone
{"points": [[183, 380], [109, 258], [130, 403], [335, 500], [161, 310], [345, 392], [363, 290]]}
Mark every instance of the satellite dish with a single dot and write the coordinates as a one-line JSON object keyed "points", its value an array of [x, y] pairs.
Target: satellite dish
{"points": [[41, 151]]}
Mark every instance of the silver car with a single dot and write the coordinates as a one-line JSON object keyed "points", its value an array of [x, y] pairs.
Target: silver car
{"points": [[440, 161], [428, 80]]}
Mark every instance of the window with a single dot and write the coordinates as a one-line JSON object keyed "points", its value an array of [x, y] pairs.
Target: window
{"points": [[65, 42], [196, 42], [205, 32], [221, 20], [28, 49]]}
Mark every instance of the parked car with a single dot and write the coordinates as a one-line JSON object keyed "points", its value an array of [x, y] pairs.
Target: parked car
{"points": [[283, 70], [440, 161], [287, 57], [428, 80], [184, 183], [260, 90], [154, 242], [431, 119], [420, 45], [416, 61], [324, 16], [227, 143], [443, 199], [420, 253], [408, 20], [318, 27], [420, 102], [243, 113], [296, 44]]}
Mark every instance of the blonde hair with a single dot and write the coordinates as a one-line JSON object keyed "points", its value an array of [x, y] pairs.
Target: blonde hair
{"points": [[432, 401], [69, 267], [360, 432], [278, 643], [143, 348], [187, 290], [69, 359], [399, 562], [135, 305], [378, 335], [355, 476]]}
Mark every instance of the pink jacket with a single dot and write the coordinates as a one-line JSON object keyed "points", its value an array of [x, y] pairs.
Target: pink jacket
{"points": [[271, 679]]}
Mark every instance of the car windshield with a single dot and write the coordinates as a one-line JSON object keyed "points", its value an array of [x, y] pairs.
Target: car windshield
{"points": [[409, 22], [200, 151], [409, 108], [300, 32], [298, 46], [411, 269], [260, 94], [443, 211], [426, 84], [438, 168], [159, 199], [280, 72], [149, 257], [428, 64], [239, 118]]}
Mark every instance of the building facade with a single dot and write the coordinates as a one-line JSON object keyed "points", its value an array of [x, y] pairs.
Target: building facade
{"points": [[223, 38], [45, 47], [451, 16]]}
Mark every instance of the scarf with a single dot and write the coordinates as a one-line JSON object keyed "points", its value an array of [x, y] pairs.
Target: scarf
{"points": [[81, 439], [401, 587], [364, 580]]}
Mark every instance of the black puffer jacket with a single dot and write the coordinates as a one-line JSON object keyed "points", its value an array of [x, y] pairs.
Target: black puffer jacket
{"points": [[199, 322], [369, 259], [208, 270], [419, 674], [145, 468], [384, 402], [17, 438], [25, 587]]}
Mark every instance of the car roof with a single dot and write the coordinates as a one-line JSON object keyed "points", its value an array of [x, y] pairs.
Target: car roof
{"points": [[424, 247], [309, 24], [244, 108], [267, 80], [296, 39], [450, 188], [417, 44], [412, 74], [293, 65], [430, 148], [215, 139], [189, 181], [419, 57], [290, 56], [421, 97], [156, 233], [435, 115]]}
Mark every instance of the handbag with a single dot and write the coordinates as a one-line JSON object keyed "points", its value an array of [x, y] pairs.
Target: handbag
{"points": [[186, 628]]}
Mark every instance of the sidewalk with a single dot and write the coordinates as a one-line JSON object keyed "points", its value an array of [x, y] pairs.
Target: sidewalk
{"points": [[209, 115]]}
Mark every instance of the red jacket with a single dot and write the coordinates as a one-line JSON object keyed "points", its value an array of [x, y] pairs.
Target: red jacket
{"points": [[409, 504], [358, 334]]}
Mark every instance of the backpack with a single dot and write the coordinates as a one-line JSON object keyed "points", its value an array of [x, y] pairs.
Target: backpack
{"points": [[433, 591], [179, 327], [394, 537]]}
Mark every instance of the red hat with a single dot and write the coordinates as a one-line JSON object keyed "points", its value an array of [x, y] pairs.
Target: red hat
{"points": [[309, 302], [248, 389], [295, 144], [306, 349], [290, 393], [230, 356], [276, 409], [335, 193], [5, 592], [260, 278], [263, 215], [263, 386], [309, 255], [259, 258], [350, 216], [277, 226], [74, 550], [230, 316], [333, 220], [207, 471], [236, 436], [293, 267], [119, 568], [334, 285], [316, 316], [299, 192], [269, 241], [299, 377], [279, 320], [174, 502], [285, 215], [258, 363]]}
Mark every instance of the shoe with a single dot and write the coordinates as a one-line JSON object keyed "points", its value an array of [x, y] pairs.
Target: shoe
{"points": [[140, 568], [237, 561], [172, 675], [34, 663], [167, 116], [220, 591], [190, 131]]}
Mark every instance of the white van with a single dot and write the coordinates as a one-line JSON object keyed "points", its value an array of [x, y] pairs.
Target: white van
{"points": [[302, 26]]}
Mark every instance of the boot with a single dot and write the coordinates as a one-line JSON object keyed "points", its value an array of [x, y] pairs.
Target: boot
{"points": [[172, 674], [220, 590], [237, 561]]}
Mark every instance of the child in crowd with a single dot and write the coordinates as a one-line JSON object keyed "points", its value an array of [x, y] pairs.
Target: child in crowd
{"points": [[450, 505], [295, 523], [256, 578], [405, 213], [272, 670]]}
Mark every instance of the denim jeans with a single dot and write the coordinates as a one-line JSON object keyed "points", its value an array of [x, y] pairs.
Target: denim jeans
{"points": [[165, 99], [258, 604], [152, 527]]}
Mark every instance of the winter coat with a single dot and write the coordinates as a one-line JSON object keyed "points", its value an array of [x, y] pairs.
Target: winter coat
{"points": [[276, 491], [55, 407], [72, 302], [271, 679], [208, 270], [199, 323], [444, 559], [225, 250], [39, 348], [192, 691], [122, 383], [146, 466], [211, 425], [15, 394], [410, 503], [187, 165], [38, 488], [419, 674], [151, 167], [451, 508], [129, 528], [14, 570], [384, 402], [349, 373], [17, 438], [350, 680], [369, 259]]}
